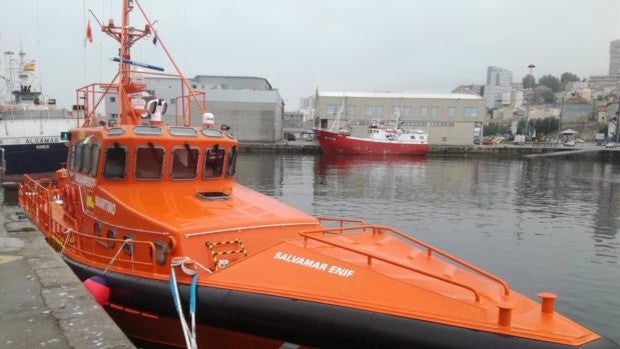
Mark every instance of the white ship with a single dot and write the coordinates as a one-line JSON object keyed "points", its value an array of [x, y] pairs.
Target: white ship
{"points": [[30, 125]]}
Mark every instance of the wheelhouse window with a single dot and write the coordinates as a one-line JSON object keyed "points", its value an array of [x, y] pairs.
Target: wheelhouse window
{"points": [[72, 162], [149, 162], [148, 130], [94, 159], [86, 155], [232, 162], [211, 132], [115, 131], [214, 162], [79, 157], [184, 161], [115, 160], [182, 131]]}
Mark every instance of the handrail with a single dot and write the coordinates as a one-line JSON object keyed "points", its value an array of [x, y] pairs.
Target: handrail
{"points": [[341, 221], [429, 249], [94, 238], [239, 229], [35, 198], [371, 256]]}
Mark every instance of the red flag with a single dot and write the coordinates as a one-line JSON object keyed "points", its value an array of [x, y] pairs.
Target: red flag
{"points": [[89, 34]]}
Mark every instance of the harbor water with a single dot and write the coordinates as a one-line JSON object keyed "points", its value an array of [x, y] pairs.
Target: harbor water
{"points": [[542, 224]]}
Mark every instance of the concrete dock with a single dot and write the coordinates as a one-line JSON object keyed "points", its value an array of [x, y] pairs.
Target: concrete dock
{"points": [[565, 153], [42, 303], [285, 147], [501, 150]]}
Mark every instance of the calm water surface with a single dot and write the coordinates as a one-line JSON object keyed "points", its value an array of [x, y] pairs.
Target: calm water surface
{"points": [[547, 225]]}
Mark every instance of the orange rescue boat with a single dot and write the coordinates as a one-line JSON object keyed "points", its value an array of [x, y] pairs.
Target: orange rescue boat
{"points": [[150, 216]]}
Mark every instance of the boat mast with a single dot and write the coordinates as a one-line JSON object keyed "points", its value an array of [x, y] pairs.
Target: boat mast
{"points": [[123, 68], [124, 50], [126, 36], [131, 91]]}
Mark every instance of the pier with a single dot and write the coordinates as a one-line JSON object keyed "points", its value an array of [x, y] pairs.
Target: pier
{"points": [[437, 150], [590, 150], [42, 303]]}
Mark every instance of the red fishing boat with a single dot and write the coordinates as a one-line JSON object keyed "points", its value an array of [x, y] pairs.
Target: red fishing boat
{"points": [[379, 140], [150, 216]]}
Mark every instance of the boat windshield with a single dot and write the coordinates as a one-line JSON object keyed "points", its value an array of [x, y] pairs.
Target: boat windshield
{"points": [[94, 160], [184, 162], [214, 162], [232, 162], [115, 158], [149, 162]]}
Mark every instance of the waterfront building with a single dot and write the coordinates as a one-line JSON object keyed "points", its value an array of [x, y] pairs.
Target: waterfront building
{"points": [[498, 88], [471, 89], [455, 119], [577, 112], [604, 85], [249, 105], [293, 124], [614, 57], [541, 111], [306, 107], [306, 103]]}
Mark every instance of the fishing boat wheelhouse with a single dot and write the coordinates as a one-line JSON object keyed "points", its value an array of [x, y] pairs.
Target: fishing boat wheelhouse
{"points": [[151, 218]]}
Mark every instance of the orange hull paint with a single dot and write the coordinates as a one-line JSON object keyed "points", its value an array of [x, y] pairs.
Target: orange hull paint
{"points": [[135, 198]]}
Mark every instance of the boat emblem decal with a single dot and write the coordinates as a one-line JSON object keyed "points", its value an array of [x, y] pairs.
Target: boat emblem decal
{"points": [[90, 203], [310, 263]]}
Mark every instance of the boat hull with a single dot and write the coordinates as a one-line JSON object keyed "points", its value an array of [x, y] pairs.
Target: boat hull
{"points": [[333, 142], [273, 320], [33, 158]]}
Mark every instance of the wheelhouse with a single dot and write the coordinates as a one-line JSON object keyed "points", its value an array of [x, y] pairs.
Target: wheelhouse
{"points": [[150, 153]]}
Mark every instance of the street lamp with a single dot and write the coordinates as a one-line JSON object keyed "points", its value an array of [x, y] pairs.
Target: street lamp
{"points": [[529, 100]]}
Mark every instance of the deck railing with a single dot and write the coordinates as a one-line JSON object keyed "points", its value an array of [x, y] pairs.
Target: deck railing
{"points": [[35, 197], [341, 222], [371, 256], [375, 229]]}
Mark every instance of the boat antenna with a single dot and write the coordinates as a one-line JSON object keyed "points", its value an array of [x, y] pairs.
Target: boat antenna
{"points": [[186, 84]]}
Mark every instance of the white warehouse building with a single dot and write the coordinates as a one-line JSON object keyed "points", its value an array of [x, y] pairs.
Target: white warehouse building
{"points": [[454, 119], [249, 105]]}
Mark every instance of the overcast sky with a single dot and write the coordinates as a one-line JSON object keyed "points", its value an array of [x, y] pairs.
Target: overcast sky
{"points": [[355, 45]]}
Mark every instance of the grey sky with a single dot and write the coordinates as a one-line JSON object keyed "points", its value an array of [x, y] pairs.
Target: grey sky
{"points": [[334, 45]]}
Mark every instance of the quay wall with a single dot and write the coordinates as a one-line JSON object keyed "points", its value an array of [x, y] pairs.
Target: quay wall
{"points": [[42, 303], [303, 147]]}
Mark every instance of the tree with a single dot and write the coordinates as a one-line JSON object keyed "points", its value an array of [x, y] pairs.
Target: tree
{"points": [[550, 81], [538, 94], [548, 97], [529, 81], [546, 125], [521, 126], [495, 129], [567, 78]]}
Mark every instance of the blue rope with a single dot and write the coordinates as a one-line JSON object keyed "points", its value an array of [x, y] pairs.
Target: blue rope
{"points": [[192, 294]]}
